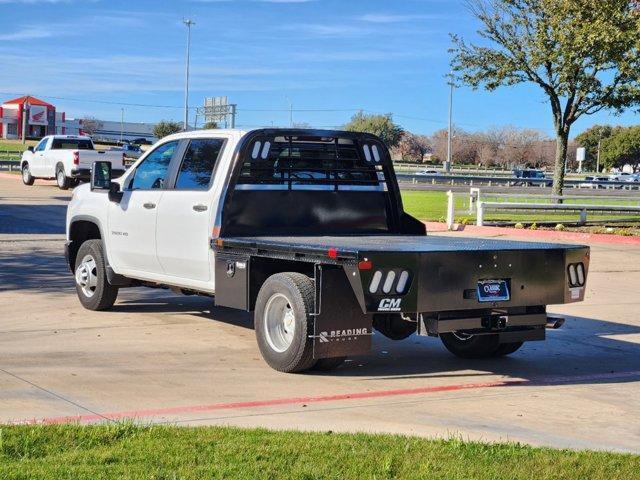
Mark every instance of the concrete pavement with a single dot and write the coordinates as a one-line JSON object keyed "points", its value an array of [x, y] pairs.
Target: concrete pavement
{"points": [[166, 358]]}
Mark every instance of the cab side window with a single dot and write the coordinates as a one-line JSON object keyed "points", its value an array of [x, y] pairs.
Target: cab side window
{"points": [[41, 146], [198, 163], [152, 172]]}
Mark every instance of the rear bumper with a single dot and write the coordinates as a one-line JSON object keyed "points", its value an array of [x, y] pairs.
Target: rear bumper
{"points": [[510, 327]]}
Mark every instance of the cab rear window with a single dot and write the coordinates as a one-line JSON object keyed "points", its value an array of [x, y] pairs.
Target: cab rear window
{"points": [[71, 144]]}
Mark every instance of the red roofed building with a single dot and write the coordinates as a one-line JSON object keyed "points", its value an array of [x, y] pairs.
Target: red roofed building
{"points": [[40, 115]]}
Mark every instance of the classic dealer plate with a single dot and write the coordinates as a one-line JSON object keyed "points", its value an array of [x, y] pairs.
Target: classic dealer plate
{"points": [[493, 291]]}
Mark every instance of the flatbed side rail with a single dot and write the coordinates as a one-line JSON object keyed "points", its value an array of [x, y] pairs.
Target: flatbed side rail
{"points": [[310, 254]]}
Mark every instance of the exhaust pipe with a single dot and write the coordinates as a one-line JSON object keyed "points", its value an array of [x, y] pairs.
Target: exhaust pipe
{"points": [[555, 323]]}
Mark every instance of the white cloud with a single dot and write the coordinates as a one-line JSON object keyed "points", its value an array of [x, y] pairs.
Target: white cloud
{"points": [[30, 33], [395, 18]]}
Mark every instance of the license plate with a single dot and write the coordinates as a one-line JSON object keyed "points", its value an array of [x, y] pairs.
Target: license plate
{"points": [[493, 291]]}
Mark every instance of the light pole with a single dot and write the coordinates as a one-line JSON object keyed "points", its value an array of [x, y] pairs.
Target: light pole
{"points": [[450, 131], [290, 112], [121, 124], [189, 23]]}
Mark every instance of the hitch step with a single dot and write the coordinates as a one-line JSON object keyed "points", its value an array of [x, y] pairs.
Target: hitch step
{"points": [[555, 323]]}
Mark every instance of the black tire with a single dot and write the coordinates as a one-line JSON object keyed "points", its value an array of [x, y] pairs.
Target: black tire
{"points": [[471, 346], [27, 178], [393, 326], [103, 294], [507, 349], [61, 178], [327, 364], [298, 292]]}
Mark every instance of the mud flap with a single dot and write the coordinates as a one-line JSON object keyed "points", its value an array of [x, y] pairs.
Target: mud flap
{"points": [[341, 329]]}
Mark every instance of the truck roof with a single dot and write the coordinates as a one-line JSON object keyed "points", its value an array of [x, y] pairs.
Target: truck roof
{"points": [[76, 137], [239, 133]]}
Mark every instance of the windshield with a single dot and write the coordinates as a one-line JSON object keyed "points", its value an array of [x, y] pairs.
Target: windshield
{"points": [[71, 144]]}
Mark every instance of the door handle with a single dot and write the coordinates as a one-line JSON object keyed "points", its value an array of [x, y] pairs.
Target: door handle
{"points": [[149, 205], [200, 208]]}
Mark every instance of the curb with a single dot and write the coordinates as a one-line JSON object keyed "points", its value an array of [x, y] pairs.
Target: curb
{"points": [[541, 234]]}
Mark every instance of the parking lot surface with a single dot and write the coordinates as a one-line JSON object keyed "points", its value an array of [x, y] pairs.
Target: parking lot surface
{"points": [[160, 357]]}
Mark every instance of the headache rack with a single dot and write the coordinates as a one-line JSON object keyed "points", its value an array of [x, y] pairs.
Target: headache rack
{"points": [[289, 162]]}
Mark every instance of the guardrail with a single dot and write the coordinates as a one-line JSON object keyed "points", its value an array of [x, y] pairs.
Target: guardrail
{"points": [[10, 165], [564, 207], [477, 180], [476, 204]]}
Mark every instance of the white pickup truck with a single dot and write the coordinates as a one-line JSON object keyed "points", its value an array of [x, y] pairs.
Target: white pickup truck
{"points": [[306, 229], [67, 158]]}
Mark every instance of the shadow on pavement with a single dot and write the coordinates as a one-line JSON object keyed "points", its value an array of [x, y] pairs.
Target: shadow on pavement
{"points": [[32, 219], [584, 351]]}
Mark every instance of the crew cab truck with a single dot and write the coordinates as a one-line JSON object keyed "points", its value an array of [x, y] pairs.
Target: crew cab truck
{"points": [[67, 158], [306, 229]]}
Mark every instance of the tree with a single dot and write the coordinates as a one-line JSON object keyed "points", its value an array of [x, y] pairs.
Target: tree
{"points": [[590, 138], [380, 125], [621, 148], [414, 147], [583, 54], [90, 125], [166, 127], [210, 126]]}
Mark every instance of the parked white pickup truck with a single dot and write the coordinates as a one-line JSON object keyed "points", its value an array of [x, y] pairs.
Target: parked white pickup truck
{"points": [[66, 158], [306, 229]]}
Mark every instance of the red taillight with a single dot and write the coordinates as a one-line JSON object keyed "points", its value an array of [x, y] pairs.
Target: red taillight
{"points": [[332, 253], [76, 158], [365, 265]]}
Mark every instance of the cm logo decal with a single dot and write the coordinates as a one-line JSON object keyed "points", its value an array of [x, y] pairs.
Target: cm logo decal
{"points": [[389, 305]]}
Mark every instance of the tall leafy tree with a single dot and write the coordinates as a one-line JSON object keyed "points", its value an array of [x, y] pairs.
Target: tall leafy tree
{"points": [[166, 127], [380, 125], [591, 139], [583, 54], [622, 148]]}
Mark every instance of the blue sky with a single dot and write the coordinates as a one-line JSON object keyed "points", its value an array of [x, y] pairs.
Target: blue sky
{"points": [[341, 55]]}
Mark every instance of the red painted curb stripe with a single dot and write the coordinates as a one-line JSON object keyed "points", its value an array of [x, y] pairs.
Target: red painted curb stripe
{"points": [[146, 413], [542, 234]]}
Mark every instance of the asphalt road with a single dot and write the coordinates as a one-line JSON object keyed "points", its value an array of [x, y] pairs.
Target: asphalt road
{"points": [[159, 357]]}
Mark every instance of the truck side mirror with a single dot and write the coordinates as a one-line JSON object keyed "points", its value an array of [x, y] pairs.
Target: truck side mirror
{"points": [[101, 176], [30, 149]]}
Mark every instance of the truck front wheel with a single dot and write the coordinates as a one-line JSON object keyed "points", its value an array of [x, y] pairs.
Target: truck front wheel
{"points": [[27, 178], [94, 290], [477, 346], [283, 322]]}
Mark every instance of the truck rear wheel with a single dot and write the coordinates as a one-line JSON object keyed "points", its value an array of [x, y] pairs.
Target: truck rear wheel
{"points": [[283, 322], [94, 290], [471, 346], [27, 178], [61, 178]]}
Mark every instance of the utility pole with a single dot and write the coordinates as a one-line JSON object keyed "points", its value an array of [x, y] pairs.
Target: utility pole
{"points": [[121, 124], [25, 118], [189, 23], [450, 131]]}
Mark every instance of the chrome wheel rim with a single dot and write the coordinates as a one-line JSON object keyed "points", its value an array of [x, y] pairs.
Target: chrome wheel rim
{"points": [[87, 276], [60, 178], [279, 323], [25, 174]]}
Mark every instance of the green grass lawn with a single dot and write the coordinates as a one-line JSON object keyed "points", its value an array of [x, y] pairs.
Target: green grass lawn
{"points": [[125, 451]]}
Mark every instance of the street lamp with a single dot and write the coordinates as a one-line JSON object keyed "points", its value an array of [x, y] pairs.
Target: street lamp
{"points": [[450, 131], [188, 24]]}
